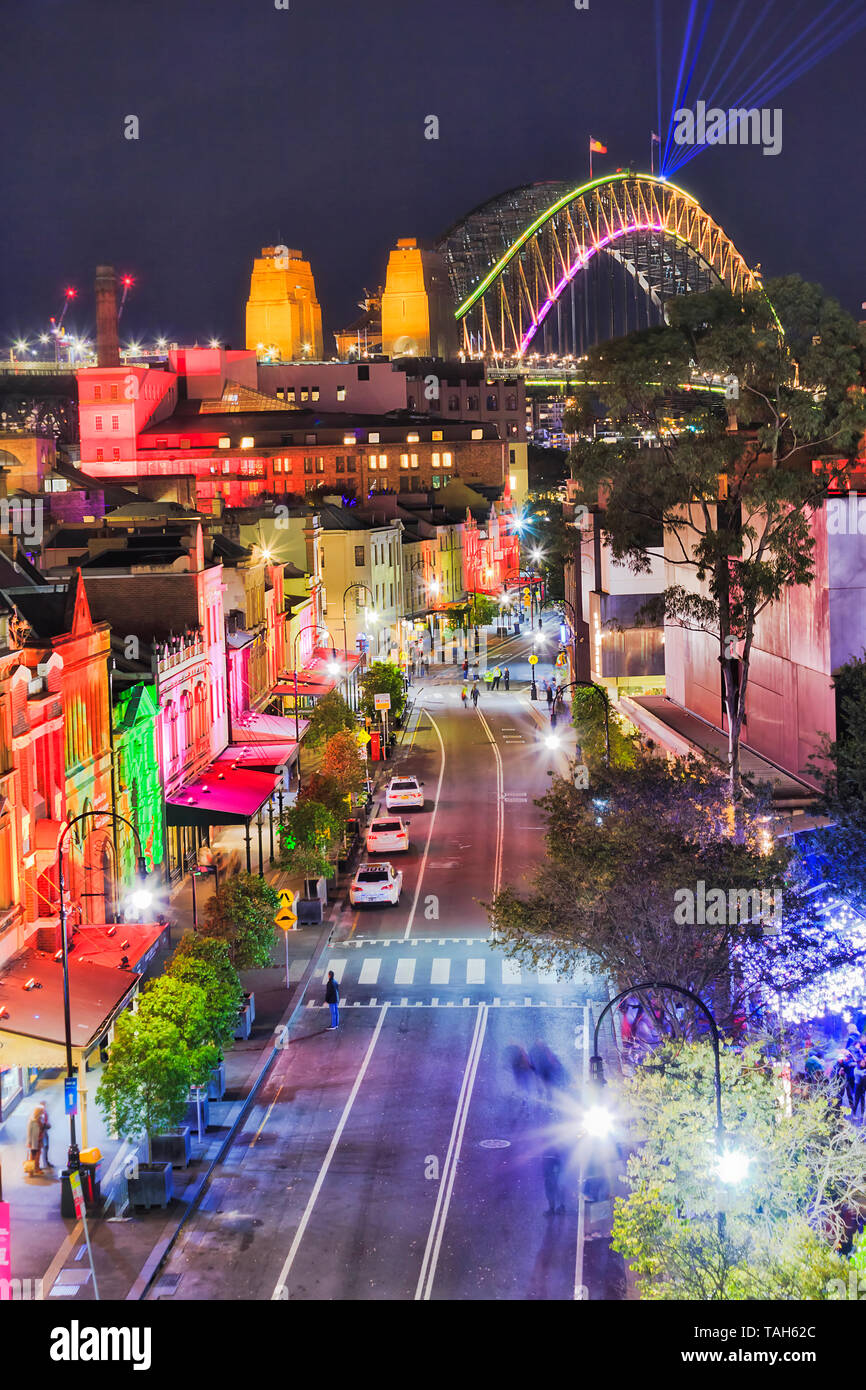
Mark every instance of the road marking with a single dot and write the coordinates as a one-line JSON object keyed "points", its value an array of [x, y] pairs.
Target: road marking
{"points": [[475, 972], [440, 972], [255, 1138], [354, 922], [405, 972], [338, 966], [370, 971], [500, 806], [510, 972], [579, 1291], [423, 863], [449, 1168], [277, 1294]]}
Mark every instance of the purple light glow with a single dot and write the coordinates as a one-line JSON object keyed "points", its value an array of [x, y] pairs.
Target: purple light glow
{"points": [[579, 264]]}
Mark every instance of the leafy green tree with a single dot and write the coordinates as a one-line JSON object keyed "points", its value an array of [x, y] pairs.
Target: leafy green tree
{"points": [[587, 707], [733, 504], [341, 762], [482, 610], [331, 715], [145, 1084], [383, 678], [241, 913], [783, 1223], [205, 961], [309, 833], [186, 1006]]}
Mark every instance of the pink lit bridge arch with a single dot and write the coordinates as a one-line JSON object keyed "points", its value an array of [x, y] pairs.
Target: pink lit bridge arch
{"points": [[629, 232]]}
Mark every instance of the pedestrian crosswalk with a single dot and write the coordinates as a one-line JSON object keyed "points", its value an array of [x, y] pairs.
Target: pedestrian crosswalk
{"points": [[413, 971]]}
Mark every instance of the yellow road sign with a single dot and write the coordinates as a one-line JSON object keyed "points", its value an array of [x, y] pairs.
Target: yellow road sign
{"points": [[287, 913], [533, 660]]}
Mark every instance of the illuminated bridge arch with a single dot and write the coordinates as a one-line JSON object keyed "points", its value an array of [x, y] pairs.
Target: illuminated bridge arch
{"points": [[625, 229]]}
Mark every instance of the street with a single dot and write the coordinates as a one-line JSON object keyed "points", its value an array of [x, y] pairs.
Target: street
{"points": [[397, 1158]]}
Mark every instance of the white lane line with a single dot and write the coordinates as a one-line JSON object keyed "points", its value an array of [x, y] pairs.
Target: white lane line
{"points": [[370, 971], [338, 966], [475, 972], [500, 806], [441, 971], [277, 1294], [510, 972], [449, 1168], [423, 863], [405, 972], [580, 1292]]}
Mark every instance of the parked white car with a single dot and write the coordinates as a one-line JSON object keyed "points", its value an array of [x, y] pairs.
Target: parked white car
{"points": [[387, 835], [403, 793], [375, 883]]}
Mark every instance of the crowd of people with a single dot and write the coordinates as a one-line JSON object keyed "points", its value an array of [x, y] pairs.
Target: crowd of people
{"points": [[844, 1068]]}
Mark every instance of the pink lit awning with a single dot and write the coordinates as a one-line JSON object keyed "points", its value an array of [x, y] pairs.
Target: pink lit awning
{"points": [[226, 794]]}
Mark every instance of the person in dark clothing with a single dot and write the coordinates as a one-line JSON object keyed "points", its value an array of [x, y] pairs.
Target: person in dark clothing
{"points": [[521, 1067], [475, 696], [547, 1067], [551, 1167], [859, 1089], [332, 999], [549, 693], [466, 669], [506, 676]]}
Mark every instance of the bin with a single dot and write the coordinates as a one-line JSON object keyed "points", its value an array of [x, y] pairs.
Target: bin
{"points": [[90, 1160]]}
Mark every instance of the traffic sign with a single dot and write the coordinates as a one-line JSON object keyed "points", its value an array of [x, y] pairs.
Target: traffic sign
{"points": [[77, 1195], [362, 736], [533, 660], [382, 701], [287, 913], [70, 1095]]}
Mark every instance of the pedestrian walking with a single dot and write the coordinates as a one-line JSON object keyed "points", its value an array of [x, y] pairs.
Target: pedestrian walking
{"points": [[332, 999], [551, 1167], [549, 693], [33, 1162], [521, 1067], [547, 1067], [553, 715], [46, 1125], [859, 1089], [463, 695], [475, 696], [497, 677], [506, 676], [466, 668]]}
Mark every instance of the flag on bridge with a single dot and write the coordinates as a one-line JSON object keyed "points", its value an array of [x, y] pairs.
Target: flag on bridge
{"points": [[595, 147]]}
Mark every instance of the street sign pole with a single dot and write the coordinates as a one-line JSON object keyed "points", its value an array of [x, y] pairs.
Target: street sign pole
{"points": [[286, 935], [81, 1213]]}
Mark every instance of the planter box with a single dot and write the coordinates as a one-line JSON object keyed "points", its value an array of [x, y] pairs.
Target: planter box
{"points": [[216, 1087], [174, 1148], [243, 1026], [251, 1005], [152, 1187], [309, 911]]}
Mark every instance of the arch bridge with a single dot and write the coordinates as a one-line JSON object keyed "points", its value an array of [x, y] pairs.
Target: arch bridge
{"points": [[573, 276]]}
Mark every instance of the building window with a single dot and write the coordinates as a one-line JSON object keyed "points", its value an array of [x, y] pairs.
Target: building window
{"points": [[320, 465], [434, 459], [437, 481], [363, 373], [373, 437], [471, 402], [437, 436], [412, 438], [349, 439], [373, 462], [308, 465], [404, 460], [100, 455], [224, 443], [115, 422], [309, 439], [314, 394], [383, 461], [477, 434], [492, 402], [97, 393], [305, 395], [511, 454], [290, 395], [511, 401], [413, 459], [341, 463], [113, 393], [97, 422], [446, 460], [115, 454], [309, 485], [278, 465], [453, 402], [341, 393], [359, 556], [350, 463]]}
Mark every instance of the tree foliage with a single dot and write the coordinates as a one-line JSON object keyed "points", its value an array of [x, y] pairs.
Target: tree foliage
{"points": [[185, 1005], [145, 1084], [331, 715], [309, 833], [784, 1223], [734, 505], [205, 961], [342, 764], [241, 913], [383, 678]]}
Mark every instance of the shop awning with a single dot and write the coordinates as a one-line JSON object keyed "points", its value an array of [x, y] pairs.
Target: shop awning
{"points": [[225, 794], [315, 679], [32, 1031], [266, 757], [256, 727]]}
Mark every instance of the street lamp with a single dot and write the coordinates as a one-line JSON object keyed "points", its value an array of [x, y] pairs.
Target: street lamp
{"points": [[605, 706], [318, 631], [732, 1164], [346, 591], [140, 899], [565, 603]]}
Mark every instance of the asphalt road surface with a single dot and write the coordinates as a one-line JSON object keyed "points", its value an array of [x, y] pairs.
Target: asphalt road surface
{"points": [[397, 1157]]}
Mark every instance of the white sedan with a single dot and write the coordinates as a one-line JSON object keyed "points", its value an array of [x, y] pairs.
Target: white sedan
{"points": [[375, 883], [387, 835], [404, 792]]}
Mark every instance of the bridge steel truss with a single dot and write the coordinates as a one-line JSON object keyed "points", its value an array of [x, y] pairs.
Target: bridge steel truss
{"points": [[659, 234]]}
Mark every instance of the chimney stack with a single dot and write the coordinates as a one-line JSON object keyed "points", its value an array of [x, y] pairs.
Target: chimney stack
{"points": [[107, 343]]}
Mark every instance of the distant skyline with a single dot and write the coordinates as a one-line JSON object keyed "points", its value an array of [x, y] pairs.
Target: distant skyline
{"points": [[306, 126]]}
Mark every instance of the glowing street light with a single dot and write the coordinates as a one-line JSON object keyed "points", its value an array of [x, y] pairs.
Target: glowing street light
{"points": [[552, 741], [598, 1121], [733, 1166]]}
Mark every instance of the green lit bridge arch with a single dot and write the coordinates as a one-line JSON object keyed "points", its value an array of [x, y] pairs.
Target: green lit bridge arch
{"points": [[624, 229]]}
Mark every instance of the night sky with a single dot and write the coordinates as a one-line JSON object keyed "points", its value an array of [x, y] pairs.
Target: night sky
{"points": [[306, 126]]}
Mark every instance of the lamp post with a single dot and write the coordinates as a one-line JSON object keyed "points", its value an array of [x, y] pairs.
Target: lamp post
{"points": [[346, 591], [537, 557], [566, 603], [596, 1066], [142, 897], [605, 706]]}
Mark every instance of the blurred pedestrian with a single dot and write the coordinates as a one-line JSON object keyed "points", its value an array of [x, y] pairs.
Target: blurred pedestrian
{"points": [[551, 1167], [46, 1125], [463, 695], [466, 668], [521, 1067], [549, 693], [506, 676], [553, 715], [497, 677], [547, 1067], [332, 999], [33, 1163], [475, 696], [859, 1089]]}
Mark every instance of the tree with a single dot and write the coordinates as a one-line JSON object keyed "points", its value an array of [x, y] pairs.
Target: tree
{"points": [[342, 764], [783, 1223], [733, 505], [331, 715], [241, 913], [622, 860], [205, 961], [587, 715], [145, 1084], [184, 1005], [482, 610], [308, 832], [383, 678]]}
